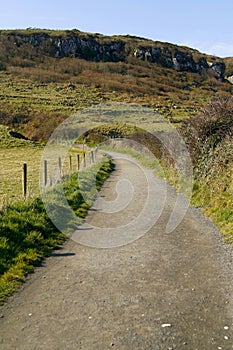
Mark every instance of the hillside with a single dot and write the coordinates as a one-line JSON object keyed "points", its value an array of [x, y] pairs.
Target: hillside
{"points": [[47, 75]]}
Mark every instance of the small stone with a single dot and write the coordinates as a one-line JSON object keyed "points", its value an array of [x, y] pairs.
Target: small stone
{"points": [[29, 315], [219, 348], [90, 317], [226, 338], [226, 328], [1, 316], [164, 325]]}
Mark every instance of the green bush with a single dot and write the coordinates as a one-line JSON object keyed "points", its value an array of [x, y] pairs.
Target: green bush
{"points": [[209, 138]]}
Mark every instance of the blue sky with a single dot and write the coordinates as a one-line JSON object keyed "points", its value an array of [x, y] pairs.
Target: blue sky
{"points": [[203, 24]]}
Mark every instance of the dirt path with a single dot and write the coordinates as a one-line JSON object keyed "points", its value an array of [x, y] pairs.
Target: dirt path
{"points": [[162, 291]]}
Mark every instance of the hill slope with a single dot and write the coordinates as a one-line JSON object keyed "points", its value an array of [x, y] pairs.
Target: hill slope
{"points": [[47, 75]]}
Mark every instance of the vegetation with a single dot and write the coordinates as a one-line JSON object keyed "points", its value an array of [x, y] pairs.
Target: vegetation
{"points": [[27, 233], [15, 150], [209, 137], [38, 91]]}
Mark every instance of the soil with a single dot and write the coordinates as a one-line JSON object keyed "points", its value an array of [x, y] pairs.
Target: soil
{"points": [[157, 291]]}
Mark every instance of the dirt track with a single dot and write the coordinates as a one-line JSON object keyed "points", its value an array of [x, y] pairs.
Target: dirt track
{"points": [[162, 291]]}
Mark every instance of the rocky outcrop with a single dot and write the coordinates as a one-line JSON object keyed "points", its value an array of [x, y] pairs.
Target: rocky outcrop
{"points": [[219, 68], [75, 45], [96, 47], [230, 79], [179, 60]]}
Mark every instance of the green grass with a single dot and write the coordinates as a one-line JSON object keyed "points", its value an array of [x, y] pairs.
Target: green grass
{"points": [[12, 160], [215, 197], [27, 233], [11, 171], [14, 153]]}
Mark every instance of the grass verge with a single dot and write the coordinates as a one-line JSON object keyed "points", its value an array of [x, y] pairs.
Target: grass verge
{"points": [[28, 234], [213, 195]]}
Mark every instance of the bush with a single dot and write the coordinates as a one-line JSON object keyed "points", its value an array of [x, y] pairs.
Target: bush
{"points": [[203, 133]]}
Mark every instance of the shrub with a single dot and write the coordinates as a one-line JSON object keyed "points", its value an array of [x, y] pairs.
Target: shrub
{"points": [[204, 132]]}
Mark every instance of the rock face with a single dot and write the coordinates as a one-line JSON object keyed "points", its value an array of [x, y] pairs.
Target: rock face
{"points": [[230, 79], [74, 45], [95, 47], [179, 60], [218, 67]]}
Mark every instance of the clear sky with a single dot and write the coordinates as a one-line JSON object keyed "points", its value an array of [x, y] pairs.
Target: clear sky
{"points": [[206, 25]]}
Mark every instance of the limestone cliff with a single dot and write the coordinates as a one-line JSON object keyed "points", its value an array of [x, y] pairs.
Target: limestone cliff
{"points": [[96, 47]]}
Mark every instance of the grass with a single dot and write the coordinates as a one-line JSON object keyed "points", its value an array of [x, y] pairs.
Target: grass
{"points": [[216, 201], [210, 141], [11, 170], [214, 194], [36, 93], [27, 233], [14, 152], [149, 161]]}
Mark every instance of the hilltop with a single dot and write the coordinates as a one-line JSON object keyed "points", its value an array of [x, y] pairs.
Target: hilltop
{"points": [[47, 75]]}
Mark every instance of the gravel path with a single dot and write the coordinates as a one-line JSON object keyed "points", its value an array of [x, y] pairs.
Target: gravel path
{"points": [[161, 291]]}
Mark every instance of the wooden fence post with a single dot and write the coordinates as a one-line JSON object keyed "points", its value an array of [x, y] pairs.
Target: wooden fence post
{"points": [[60, 167], [24, 180], [84, 160], [78, 157], [45, 172], [70, 164]]}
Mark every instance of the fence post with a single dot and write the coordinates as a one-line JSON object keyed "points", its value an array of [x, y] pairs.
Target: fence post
{"points": [[45, 172], [78, 157], [60, 167], [95, 155], [25, 180], [84, 160], [70, 164]]}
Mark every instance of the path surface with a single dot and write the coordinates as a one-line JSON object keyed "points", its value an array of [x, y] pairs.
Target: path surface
{"points": [[162, 291]]}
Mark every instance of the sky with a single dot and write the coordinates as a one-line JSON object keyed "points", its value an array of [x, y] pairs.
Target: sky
{"points": [[205, 25]]}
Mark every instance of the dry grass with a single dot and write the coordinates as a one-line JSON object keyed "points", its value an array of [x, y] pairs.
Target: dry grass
{"points": [[11, 171]]}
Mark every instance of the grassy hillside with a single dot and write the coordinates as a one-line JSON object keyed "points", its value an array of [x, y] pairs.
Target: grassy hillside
{"points": [[38, 91]]}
